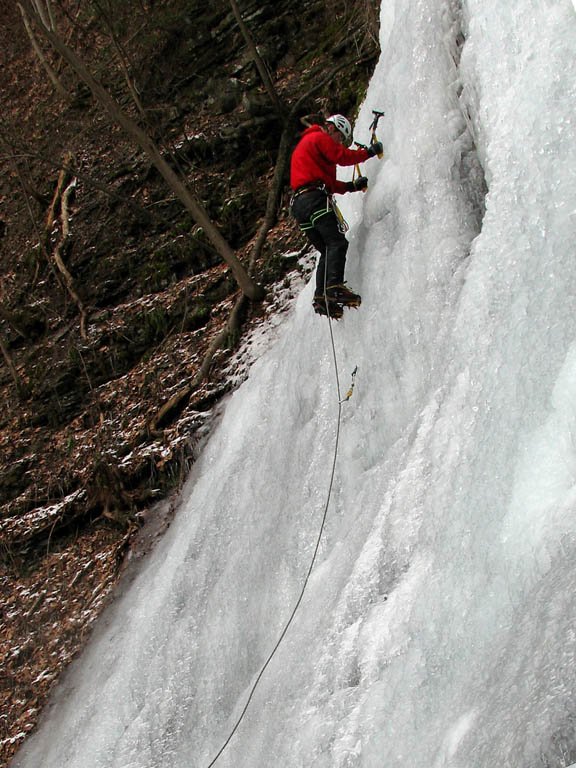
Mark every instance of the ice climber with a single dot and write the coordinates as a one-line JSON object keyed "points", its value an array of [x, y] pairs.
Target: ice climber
{"points": [[313, 181]]}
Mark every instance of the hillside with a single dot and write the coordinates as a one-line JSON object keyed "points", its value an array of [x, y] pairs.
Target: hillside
{"points": [[111, 295]]}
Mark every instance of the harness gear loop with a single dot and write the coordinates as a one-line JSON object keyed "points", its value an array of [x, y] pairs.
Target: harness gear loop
{"points": [[330, 205], [307, 188]]}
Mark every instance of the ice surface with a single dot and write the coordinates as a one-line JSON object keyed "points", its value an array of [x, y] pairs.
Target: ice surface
{"points": [[437, 629]]}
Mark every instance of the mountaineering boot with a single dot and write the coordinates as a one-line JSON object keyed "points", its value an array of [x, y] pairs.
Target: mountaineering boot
{"points": [[342, 295], [319, 306]]}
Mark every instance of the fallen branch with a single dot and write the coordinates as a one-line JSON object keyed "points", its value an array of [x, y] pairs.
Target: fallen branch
{"points": [[63, 179], [59, 260], [61, 199]]}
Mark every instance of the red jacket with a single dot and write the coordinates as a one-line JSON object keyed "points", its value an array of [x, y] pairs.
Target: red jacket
{"points": [[315, 159]]}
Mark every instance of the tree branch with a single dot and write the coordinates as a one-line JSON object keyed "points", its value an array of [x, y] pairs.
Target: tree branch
{"points": [[59, 260], [55, 80], [294, 109]]}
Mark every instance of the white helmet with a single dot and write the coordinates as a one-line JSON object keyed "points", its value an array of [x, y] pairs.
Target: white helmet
{"points": [[342, 124]]}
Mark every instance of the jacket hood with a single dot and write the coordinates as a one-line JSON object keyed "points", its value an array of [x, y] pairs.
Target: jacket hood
{"points": [[312, 129]]}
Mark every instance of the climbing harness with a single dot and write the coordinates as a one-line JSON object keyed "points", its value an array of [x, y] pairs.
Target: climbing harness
{"points": [[330, 206], [306, 188]]}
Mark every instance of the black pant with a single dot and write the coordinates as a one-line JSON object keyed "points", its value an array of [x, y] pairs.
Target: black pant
{"points": [[318, 221]]}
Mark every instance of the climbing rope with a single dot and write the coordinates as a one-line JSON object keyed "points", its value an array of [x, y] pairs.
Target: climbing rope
{"points": [[318, 539]]}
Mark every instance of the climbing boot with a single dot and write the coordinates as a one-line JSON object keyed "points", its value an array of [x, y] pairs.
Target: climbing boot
{"points": [[342, 295], [319, 306]]}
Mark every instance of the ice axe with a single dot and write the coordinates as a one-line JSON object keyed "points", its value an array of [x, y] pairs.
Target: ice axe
{"points": [[374, 125]]}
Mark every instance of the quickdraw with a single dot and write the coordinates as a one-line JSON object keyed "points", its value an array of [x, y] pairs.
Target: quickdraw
{"points": [[351, 389], [342, 223]]}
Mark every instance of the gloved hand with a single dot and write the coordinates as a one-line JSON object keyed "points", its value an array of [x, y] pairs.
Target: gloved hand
{"points": [[355, 186], [376, 148]]}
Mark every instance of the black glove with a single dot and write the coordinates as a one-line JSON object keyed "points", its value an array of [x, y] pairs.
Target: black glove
{"points": [[376, 148], [355, 186]]}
